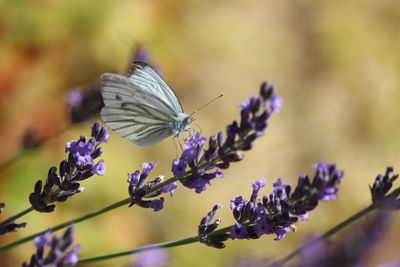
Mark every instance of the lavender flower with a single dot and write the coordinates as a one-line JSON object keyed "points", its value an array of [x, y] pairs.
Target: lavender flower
{"points": [[353, 248], [394, 263], [205, 164], [74, 97], [61, 252], [79, 166], [84, 104], [138, 189], [142, 54], [154, 258], [11, 226], [380, 189], [277, 212], [306, 195], [207, 226]]}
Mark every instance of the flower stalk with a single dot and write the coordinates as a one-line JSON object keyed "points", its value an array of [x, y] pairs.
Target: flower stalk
{"points": [[325, 235]]}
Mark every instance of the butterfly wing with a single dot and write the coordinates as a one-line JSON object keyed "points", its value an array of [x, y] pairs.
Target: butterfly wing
{"points": [[134, 113], [146, 77]]}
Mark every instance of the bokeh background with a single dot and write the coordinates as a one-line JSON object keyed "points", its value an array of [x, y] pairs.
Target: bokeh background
{"points": [[335, 63]]}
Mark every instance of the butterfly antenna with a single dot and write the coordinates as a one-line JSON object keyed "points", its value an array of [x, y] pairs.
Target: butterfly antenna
{"points": [[221, 95]]}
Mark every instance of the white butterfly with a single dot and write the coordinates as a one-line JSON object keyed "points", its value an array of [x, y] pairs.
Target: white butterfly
{"points": [[142, 107]]}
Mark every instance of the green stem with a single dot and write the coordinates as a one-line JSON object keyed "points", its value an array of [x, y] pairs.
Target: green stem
{"points": [[16, 216], [101, 211], [89, 215], [68, 223], [327, 234], [223, 231], [140, 249], [169, 244]]}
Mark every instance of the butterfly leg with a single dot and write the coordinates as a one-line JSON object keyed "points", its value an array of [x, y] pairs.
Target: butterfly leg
{"points": [[199, 128], [176, 146]]}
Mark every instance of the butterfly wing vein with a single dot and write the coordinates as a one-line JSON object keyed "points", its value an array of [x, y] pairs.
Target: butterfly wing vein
{"points": [[138, 108]]}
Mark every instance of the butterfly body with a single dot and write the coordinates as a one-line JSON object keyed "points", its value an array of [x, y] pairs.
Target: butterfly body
{"points": [[142, 107]]}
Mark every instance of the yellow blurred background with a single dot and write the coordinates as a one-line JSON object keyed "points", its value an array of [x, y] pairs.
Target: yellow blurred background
{"points": [[335, 63]]}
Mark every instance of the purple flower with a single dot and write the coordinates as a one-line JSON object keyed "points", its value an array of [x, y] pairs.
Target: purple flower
{"points": [[169, 188], [99, 133], [281, 191], [281, 232], [207, 226], [381, 197], [198, 184], [257, 186], [84, 104], [134, 178], [156, 204], [71, 257], [263, 228], [178, 167], [140, 191], [80, 165], [191, 156], [326, 180], [353, 247], [74, 97], [327, 194], [147, 169], [192, 147], [153, 258], [9, 224], [81, 151], [142, 54], [277, 212], [394, 263], [198, 165], [303, 217], [239, 231], [99, 168], [60, 253], [276, 103], [42, 240], [237, 203]]}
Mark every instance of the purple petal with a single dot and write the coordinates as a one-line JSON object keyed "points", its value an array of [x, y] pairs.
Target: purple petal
{"points": [[134, 178], [178, 167], [153, 258], [71, 257], [239, 231], [74, 97], [169, 188], [42, 240], [99, 168], [147, 168]]}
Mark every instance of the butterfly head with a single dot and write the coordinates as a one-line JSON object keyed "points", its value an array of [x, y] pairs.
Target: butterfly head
{"points": [[182, 123]]}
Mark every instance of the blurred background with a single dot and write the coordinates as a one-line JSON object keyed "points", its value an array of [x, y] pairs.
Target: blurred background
{"points": [[335, 64]]}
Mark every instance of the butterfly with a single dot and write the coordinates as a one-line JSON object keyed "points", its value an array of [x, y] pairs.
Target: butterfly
{"points": [[142, 107]]}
